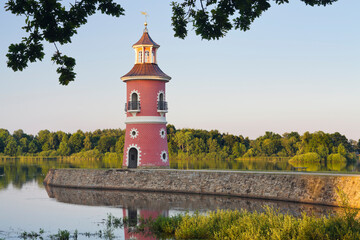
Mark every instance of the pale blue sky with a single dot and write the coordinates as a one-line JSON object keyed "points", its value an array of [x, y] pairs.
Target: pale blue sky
{"points": [[297, 69]]}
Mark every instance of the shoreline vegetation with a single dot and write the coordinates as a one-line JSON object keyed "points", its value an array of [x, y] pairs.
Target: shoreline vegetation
{"points": [[187, 144], [242, 224], [224, 224]]}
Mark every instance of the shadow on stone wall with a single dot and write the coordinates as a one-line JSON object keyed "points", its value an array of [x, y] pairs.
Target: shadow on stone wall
{"points": [[156, 201]]}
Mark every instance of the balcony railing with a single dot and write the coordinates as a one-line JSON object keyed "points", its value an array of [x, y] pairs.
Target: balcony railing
{"points": [[162, 106], [132, 106]]}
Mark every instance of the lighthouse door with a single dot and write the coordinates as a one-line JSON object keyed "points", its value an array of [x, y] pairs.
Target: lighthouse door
{"points": [[133, 157]]}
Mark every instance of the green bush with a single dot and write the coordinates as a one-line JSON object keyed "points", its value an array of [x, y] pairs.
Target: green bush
{"points": [[112, 160], [310, 157], [49, 153], [90, 154], [336, 158]]}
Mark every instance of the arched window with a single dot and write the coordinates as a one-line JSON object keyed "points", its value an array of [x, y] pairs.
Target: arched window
{"points": [[147, 56], [161, 97], [140, 57], [134, 97]]}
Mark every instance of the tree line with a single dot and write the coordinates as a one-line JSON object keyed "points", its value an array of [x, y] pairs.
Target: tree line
{"points": [[183, 143]]}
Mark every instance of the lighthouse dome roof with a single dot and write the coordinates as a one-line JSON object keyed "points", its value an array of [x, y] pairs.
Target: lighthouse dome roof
{"points": [[146, 71], [146, 40]]}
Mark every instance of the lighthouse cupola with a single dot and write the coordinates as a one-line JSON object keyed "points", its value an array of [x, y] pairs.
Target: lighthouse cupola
{"points": [[145, 107], [145, 49]]}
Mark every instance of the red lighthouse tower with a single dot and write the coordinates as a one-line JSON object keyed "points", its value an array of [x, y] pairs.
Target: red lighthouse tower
{"points": [[145, 139]]}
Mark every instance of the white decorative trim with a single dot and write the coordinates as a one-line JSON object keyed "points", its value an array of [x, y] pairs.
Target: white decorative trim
{"points": [[158, 95], [134, 133], [145, 119], [162, 133], [134, 91], [146, 78], [139, 154], [162, 158], [146, 45]]}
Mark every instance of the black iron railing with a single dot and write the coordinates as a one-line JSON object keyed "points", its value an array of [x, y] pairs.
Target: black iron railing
{"points": [[132, 106], [162, 105]]}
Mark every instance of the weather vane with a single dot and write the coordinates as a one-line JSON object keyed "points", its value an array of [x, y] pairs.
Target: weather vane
{"points": [[146, 15]]}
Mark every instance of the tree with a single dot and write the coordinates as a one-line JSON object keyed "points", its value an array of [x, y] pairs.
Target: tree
{"points": [[24, 142], [76, 141], [50, 21], [18, 134], [33, 146], [43, 137], [53, 141], [213, 145], [119, 146], [106, 143], [11, 147], [87, 143], [212, 19], [2, 145], [342, 150], [64, 149], [238, 149], [4, 134]]}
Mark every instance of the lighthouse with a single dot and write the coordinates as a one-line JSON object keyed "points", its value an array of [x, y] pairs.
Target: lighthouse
{"points": [[146, 107]]}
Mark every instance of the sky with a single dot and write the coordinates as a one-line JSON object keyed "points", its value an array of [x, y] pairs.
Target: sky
{"points": [[296, 69]]}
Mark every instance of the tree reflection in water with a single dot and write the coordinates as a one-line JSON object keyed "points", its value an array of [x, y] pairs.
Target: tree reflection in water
{"points": [[20, 170]]}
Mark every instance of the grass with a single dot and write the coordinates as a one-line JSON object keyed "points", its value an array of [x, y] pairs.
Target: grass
{"points": [[234, 224]]}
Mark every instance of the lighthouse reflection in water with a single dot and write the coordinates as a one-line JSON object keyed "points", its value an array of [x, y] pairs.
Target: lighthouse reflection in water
{"points": [[136, 204]]}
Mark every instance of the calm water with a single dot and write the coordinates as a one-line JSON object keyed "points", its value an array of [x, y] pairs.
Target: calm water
{"points": [[26, 205]]}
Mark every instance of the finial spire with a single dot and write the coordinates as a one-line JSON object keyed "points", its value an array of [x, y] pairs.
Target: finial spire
{"points": [[145, 24]]}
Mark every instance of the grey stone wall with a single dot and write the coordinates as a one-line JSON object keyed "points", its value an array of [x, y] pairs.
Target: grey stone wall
{"points": [[159, 201], [304, 188]]}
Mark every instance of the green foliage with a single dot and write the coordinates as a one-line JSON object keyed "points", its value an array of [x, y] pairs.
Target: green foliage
{"points": [[184, 144], [341, 150], [213, 19], [310, 157], [64, 148], [11, 147], [50, 21], [90, 154], [32, 235], [112, 159], [270, 224], [87, 143], [61, 235], [106, 144], [33, 146], [336, 158], [76, 142]]}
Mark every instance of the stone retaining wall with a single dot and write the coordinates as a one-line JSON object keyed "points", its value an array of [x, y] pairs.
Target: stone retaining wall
{"points": [[160, 201], [305, 188]]}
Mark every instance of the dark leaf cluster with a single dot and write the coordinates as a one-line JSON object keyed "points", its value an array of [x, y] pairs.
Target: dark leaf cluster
{"points": [[212, 19], [50, 21]]}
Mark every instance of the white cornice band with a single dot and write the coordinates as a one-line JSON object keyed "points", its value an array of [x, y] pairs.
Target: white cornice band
{"points": [[146, 78], [146, 119]]}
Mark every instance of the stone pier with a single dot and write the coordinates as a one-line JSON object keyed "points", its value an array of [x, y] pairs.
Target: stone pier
{"points": [[313, 188]]}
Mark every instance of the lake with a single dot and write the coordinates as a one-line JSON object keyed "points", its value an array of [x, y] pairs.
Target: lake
{"points": [[26, 205]]}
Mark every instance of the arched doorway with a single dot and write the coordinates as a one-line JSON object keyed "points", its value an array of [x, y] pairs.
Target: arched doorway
{"points": [[133, 158]]}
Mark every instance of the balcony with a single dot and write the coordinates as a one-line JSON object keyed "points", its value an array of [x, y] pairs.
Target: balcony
{"points": [[162, 107], [132, 107]]}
